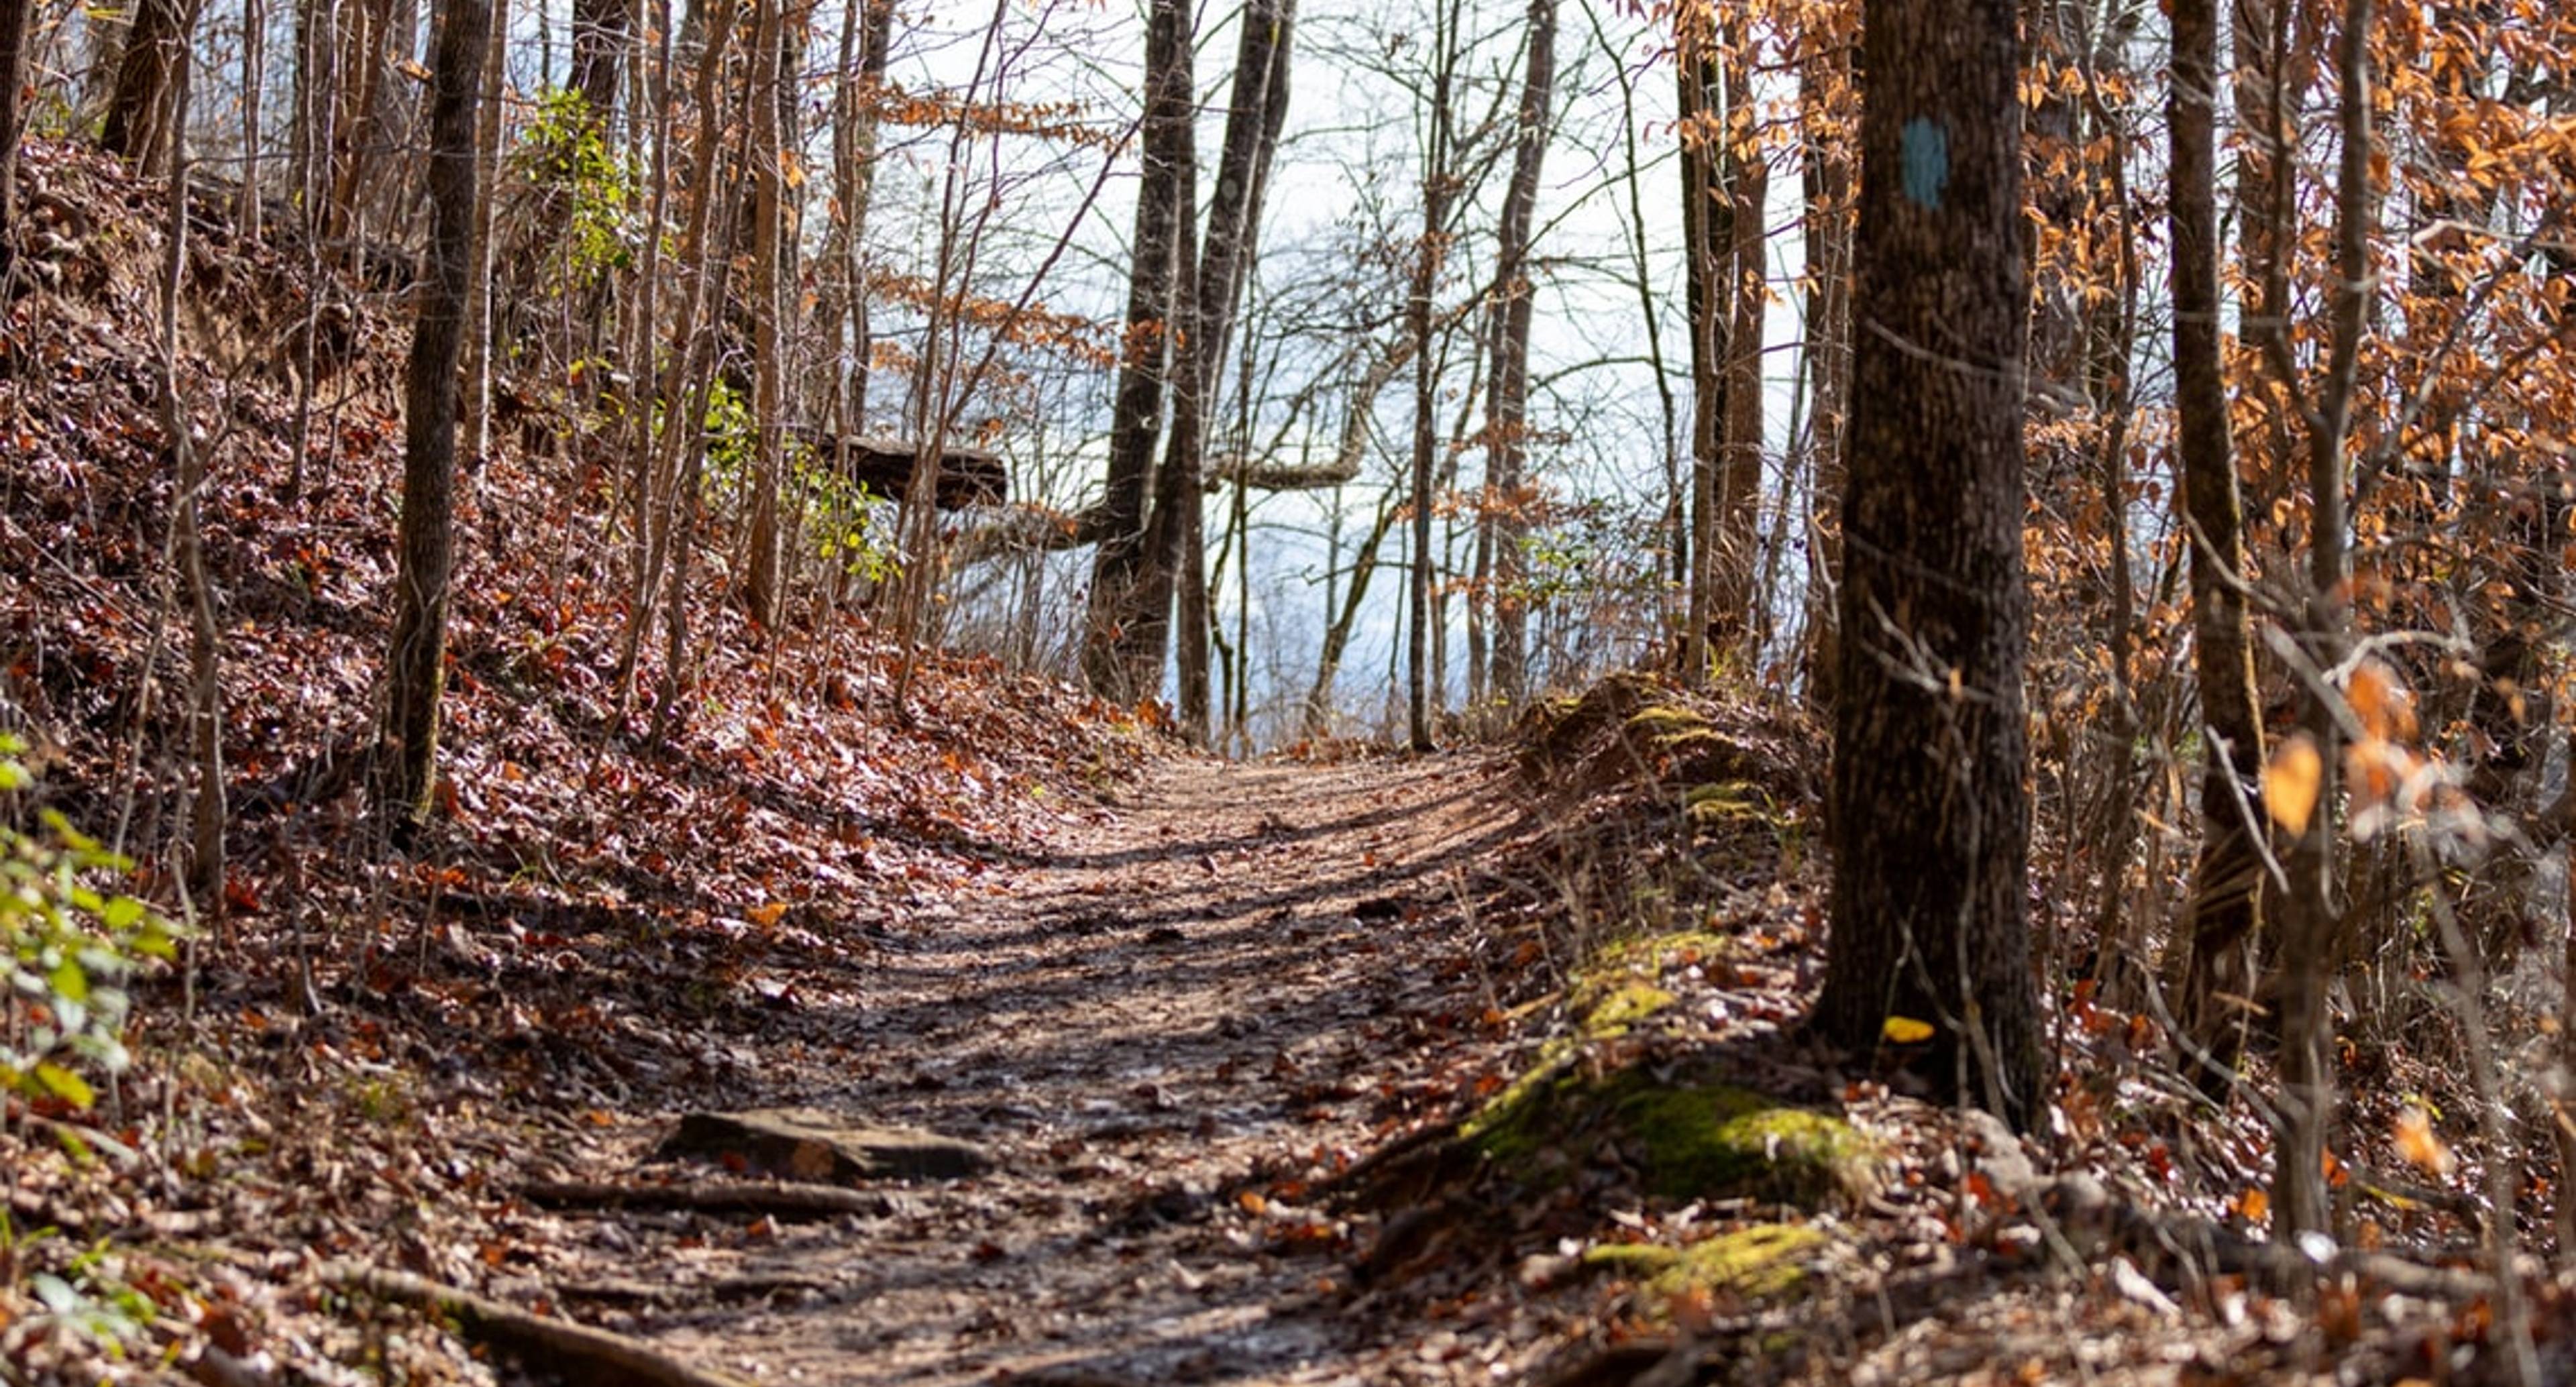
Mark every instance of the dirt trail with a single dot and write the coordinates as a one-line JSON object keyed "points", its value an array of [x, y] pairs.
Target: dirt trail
{"points": [[1216, 979]]}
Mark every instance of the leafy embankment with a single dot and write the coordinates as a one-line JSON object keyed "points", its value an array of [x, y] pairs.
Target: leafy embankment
{"points": [[361, 1043], [1682, 1188]]}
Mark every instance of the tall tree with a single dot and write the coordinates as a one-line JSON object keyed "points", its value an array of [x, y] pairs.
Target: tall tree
{"points": [[1430, 253], [1708, 236], [867, 33], [1145, 352], [2311, 910], [2226, 895], [1930, 821], [1174, 568], [1825, 87], [415, 665], [1740, 295], [768, 155], [1502, 522], [139, 110]]}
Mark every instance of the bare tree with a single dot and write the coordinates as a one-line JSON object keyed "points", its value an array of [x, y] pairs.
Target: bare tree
{"points": [[415, 663], [1146, 354], [2227, 882], [1502, 521]]}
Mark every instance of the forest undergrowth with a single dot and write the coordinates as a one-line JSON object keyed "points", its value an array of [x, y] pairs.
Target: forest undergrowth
{"points": [[1342, 1067]]}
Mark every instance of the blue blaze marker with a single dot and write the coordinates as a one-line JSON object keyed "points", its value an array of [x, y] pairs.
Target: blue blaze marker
{"points": [[1926, 151]]}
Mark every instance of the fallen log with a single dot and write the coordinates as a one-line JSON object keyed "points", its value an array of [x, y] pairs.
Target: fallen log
{"points": [[578, 1352]]}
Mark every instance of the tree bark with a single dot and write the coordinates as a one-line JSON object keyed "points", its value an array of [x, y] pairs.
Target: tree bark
{"points": [[1706, 237], [1825, 84], [140, 124], [2312, 911], [478, 305], [1744, 264], [763, 581], [1429, 253], [415, 664], [1503, 519], [1930, 819], [2226, 894], [13, 76], [1146, 352], [1258, 108]]}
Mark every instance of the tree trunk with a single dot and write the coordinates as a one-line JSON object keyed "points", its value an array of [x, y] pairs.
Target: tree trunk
{"points": [[1258, 108], [1930, 819], [1337, 635], [1744, 264], [868, 29], [658, 455], [599, 39], [1428, 256], [1825, 83], [254, 77], [13, 76], [2226, 894], [1503, 520], [2312, 913], [478, 306], [415, 665], [762, 583], [1706, 237], [1145, 353], [205, 648], [139, 126]]}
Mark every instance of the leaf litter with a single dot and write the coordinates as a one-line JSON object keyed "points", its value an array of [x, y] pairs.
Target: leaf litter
{"points": [[1219, 1028]]}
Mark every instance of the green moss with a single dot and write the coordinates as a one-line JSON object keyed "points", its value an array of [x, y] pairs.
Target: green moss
{"points": [[1504, 1129], [1767, 1259], [1638, 1260], [1728, 801], [1622, 1007], [1692, 1141], [1723, 1142], [1665, 723], [1654, 953]]}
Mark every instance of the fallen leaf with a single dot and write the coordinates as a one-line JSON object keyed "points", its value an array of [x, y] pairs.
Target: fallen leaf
{"points": [[1905, 1030], [2421, 1148]]}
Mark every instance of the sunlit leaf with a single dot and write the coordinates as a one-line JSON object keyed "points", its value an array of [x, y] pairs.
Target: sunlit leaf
{"points": [[2291, 782], [2421, 1148], [66, 1085], [1905, 1030]]}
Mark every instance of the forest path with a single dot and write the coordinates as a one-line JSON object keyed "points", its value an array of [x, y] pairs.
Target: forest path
{"points": [[1231, 975]]}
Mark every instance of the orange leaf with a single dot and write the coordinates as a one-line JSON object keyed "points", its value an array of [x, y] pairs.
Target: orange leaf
{"points": [[2291, 782], [2421, 1148], [2254, 1205], [2380, 702]]}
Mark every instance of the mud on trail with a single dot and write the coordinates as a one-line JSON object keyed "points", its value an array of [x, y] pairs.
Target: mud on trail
{"points": [[1230, 981]]}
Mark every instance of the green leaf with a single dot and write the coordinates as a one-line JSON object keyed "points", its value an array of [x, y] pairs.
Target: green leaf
{"points": [[69, 981], [124, 912], [66, 1085]]}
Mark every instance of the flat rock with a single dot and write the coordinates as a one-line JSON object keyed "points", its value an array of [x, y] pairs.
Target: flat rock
{"points": [[810, 1144]]}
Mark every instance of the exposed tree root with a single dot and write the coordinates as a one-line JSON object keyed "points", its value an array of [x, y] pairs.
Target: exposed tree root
{"points": [[579, 1353], [725, 1196]]}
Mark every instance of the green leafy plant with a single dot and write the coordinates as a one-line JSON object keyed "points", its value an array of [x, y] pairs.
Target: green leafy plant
{"points": [[565, 151], [69, 949]]}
